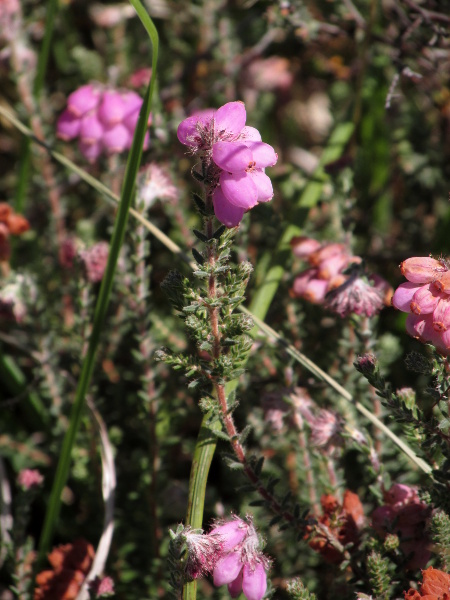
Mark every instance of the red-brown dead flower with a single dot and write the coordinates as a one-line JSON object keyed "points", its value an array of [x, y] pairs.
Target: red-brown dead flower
{"points": [[337, 527], [435, 586], [71, 563]]}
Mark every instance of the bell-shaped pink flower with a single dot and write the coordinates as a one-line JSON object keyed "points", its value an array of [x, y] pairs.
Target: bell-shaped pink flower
{"points": [[227, 568], [254, 581], [231, 533], [68, 126], [316, 290], [83, 100], [112, 108], [425, 300], [441, 315], [404, 294], [235, 587], [422, 269], [303, 246], [91, 130], [116, 139]]}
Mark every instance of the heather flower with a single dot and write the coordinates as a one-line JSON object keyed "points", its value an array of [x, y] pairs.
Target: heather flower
{"points": [[435, 586], [153, 184], [101, 587], [234, 158], [338, 526], [243, 567], [29, 479], [70, 565], [426, 297], [94, 260], [14, 296], [336, 280], [102, 119], [355, 296], [405, 515]]}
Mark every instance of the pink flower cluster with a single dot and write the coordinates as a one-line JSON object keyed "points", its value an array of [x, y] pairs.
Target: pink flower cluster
{"points": [[233, 157], [405, 515], [426, 296], [325, 281], [29, 479], [102, 119], [230, 551]]}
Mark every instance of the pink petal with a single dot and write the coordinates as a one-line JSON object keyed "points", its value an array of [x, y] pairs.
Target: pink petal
{"points": [[254, 581], [441, 315], [83, 100], [239, 189], [132, 106], [315, 291], [228, 214], [425, 300], [187, 129], [112, 108], [251, 134], [116, 139], [233, 532], [422, 269], [420, 327], [263, 154], [90, 151], [91, 129], [232, 156], [302, 280], [235, 587], [263, 185], [404, 294], [68, 126], [227, 568], [230, 118]]}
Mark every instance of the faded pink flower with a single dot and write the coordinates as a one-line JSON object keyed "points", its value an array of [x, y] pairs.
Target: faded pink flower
{"points": [[95, 260], [426, 296], [102, 587], [355, 296], [336, 279], [153, 184], [407, 516], [234, 156], [102, 119], [29, 479]]}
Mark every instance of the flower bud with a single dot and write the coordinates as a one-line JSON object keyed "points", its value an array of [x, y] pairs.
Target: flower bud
{"points": [[403, 295], [83, 100], [422, 269], [441, 315], [425, 300], [231, 533], [254, 581], [303, 246]]}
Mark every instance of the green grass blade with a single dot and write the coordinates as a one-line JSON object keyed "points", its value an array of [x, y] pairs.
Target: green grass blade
{"points": [[63, 467]]}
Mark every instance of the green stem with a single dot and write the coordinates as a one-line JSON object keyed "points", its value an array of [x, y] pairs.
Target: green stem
{"points": [[101, 308], [201, 463]]}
